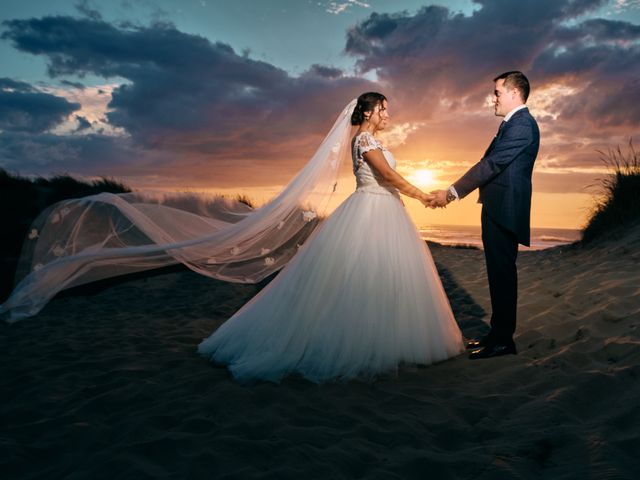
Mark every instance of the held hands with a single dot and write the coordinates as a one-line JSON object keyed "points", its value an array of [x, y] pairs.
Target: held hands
{"points": [[426, 199], [434, 199], [438, 199]]}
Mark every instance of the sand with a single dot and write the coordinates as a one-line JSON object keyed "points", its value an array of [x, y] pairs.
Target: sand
{"points": [[106, 383]]}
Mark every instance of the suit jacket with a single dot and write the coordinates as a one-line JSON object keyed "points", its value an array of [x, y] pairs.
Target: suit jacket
{"points": [[503, 175]]}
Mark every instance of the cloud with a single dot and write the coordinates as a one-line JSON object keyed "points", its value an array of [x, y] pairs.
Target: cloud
{"points": [[397, 134], [437, 67], [94, 101], [624, 5], [26, 109], [85, 9], [325, 71], [435, 53], [83, 123], [340, 7], [69, 83], [176, 82], [184, 96], [182, 107], [82, 154]]}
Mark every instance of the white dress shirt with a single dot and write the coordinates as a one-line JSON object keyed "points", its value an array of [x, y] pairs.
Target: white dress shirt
{"points": [[508, 116]]}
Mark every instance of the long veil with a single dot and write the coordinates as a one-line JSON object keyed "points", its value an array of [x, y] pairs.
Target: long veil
{"points": [[83, 240]]}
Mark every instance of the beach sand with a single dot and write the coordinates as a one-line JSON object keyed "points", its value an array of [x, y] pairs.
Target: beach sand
{"points": [[106, 383]]}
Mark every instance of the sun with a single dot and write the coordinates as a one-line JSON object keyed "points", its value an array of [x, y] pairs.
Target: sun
{"points": [[423, 177]]}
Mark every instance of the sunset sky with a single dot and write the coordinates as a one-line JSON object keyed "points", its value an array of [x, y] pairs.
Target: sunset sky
{"points": [[234, 96]]}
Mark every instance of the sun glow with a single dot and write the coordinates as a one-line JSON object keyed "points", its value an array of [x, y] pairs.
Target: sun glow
{"points": [[423, 178]]}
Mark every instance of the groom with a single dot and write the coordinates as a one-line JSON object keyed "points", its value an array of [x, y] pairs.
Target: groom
{"points": [[503, 176]]}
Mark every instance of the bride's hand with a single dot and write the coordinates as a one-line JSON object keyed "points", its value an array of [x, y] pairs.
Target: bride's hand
{"points": [[426, 200]]}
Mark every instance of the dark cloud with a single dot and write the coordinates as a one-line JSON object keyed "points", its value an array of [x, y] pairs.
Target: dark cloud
{"points": [[604, 74], [435, 54], [83, 123], [180, 86], [523, 14], [188, 101], [69, 83], [187, 97], [324, 71], [26, 109], [438, 65], [46, 152], [85, 9], [600, 30]]}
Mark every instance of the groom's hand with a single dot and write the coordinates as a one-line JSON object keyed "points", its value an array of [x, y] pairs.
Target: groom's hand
{"points": [[439, 198]]}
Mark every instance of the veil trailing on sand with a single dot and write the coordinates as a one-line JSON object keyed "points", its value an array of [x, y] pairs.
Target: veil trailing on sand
{"points": [[83, 240]]}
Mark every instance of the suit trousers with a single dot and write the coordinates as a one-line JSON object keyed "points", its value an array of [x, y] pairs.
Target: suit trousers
{"points": [[501, 252]]}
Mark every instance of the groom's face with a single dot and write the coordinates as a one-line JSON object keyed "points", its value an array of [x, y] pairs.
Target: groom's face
{"points": [[505, 99]]}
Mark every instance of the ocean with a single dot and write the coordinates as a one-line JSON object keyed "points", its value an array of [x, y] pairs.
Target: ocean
{"points": [[541, 238]]}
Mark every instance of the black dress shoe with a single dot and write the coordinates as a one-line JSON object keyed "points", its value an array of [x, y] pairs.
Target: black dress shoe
{"points": [[491, 351], [476, 343]]}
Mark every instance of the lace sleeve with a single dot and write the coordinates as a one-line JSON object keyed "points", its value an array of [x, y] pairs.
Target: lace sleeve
{"points": [[367, 142]]}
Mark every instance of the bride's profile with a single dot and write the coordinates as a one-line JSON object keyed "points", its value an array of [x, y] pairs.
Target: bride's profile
{"points": [[358, 295], [362, 295]]}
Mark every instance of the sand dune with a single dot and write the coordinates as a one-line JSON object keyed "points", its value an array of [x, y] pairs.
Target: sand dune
{"points": [[106, 383]]}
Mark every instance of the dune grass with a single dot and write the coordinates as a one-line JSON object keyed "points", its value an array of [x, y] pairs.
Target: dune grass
{"points": [[618, 202], [242, 198], [22, 199]]}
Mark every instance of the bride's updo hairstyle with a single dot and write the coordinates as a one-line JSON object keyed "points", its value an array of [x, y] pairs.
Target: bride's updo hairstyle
{"points": [[366, 103]]}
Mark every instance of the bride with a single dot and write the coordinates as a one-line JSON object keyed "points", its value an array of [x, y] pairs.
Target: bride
{"points": [[361, 296]]}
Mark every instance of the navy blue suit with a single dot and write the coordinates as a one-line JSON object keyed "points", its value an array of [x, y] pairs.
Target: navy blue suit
{"points": [[503, 176]]}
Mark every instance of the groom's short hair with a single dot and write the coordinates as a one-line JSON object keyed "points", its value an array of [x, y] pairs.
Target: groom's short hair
{"points": [[517, 80]]}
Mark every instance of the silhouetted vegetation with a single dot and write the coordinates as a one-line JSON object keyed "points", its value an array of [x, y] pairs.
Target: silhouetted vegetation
{"points": [[246, 200], [22, 199], [619, 200]]}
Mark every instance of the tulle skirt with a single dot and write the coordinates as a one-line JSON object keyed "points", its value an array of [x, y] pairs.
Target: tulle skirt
{"points": [[361, 297]]}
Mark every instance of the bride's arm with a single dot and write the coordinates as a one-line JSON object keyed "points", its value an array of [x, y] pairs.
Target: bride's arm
{"points": [[376, 159]]}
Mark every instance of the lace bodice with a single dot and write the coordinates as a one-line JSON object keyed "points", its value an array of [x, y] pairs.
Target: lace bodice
{"points": [[367, 179]]}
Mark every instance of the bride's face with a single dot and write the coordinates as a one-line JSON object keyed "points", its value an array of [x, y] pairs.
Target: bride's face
{"points": [[379, 116]]}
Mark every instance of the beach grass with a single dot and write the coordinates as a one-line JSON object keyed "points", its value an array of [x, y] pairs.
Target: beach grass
{"points": [[23, 198], [246, 200], [618, 194]]}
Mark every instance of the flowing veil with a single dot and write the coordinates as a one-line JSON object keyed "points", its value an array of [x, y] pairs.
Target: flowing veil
{"points": [[83, 240]]}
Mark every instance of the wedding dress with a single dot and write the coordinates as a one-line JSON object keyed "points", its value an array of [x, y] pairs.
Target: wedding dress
{"points": [[358, 296], [361, 297]]}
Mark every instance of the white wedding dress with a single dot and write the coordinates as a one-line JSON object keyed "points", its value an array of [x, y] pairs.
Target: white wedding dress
{"points": [[360, 297]]}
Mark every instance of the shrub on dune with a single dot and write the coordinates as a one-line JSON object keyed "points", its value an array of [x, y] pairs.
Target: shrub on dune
{"points": [[619, 200], [246, 200], [22, 199]]}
